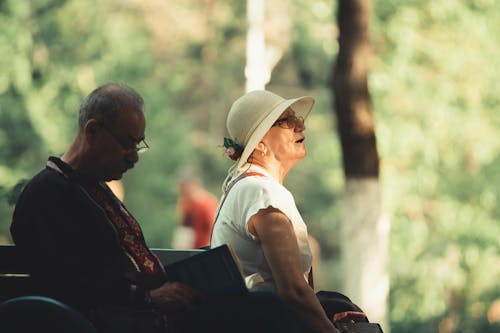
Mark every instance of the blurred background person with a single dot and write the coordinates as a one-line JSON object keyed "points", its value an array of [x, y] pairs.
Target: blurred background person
{"points": [[196, 208]]}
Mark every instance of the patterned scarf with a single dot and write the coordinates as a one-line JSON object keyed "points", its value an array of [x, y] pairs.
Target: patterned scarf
{"points": [[129, 231]]}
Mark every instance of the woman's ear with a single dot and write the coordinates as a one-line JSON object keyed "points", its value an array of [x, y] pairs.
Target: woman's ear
{"points": [[261, 148]]}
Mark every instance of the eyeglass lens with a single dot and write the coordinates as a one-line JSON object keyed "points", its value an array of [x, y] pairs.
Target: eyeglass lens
{"points": [[139, 147], [290, 121]]}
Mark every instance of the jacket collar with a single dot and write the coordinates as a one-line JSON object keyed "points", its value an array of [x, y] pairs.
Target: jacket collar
{"points": [[58, 165]]}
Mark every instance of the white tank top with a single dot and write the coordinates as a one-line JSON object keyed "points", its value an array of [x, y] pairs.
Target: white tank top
{"points": [[245, 199]]}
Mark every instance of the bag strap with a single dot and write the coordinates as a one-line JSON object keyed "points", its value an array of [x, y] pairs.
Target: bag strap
{"points": [[229, 187]]}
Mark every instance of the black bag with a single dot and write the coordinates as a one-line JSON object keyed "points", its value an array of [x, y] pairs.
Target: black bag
{"points": [[334, 302]]}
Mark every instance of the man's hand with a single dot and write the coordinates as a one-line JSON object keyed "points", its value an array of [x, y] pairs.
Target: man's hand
{"points": [[175, 296]]}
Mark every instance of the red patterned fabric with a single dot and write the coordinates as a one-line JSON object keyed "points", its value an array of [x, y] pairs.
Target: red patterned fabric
{"points": [[129, 231]]}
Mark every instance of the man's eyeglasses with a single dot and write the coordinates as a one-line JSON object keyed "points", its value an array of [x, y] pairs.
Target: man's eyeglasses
{"points": [[290, 121], [136, 147]]}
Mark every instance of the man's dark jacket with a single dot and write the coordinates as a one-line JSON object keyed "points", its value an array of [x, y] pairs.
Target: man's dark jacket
{"points": [[72, 247]]}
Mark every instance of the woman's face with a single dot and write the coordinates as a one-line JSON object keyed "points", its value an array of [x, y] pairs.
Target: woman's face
{"points": [[285, 139]]}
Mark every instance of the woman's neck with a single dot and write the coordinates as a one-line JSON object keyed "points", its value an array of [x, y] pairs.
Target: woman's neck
{"points": [[275, 170]]}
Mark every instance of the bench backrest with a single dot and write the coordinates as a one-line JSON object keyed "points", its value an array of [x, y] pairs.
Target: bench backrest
{"points": [[12, 263], [169, 256], [14, 273]]}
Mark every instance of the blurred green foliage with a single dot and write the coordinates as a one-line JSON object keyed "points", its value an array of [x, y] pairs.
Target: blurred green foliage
{"points": [[435, 95]]}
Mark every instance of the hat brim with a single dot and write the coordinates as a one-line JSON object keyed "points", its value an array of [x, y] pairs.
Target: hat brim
{"points": [[302, 107]]}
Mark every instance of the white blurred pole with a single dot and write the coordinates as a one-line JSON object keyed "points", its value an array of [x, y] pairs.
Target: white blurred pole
{"points": [[257, 70]]}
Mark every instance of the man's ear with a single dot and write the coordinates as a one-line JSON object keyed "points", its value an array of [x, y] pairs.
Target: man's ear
{"points": [[91, 130]]}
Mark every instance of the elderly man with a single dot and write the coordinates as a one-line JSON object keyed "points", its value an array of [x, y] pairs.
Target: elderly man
{"points": [[83, 245]]}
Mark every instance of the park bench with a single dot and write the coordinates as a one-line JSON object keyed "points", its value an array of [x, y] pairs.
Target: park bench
{"points": [[15, 279]]}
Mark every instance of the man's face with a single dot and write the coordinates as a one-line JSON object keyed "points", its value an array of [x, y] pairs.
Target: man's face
{"points": [[117, 150]]}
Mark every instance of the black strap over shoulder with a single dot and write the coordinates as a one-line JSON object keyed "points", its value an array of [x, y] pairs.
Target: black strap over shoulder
{"points": [[229, 187]]}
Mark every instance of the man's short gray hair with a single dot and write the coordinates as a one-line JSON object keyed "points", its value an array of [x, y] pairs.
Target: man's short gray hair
{"points": [[107, 101]]}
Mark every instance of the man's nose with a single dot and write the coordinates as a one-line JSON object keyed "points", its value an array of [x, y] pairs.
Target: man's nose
{"points": [[132, 156]]}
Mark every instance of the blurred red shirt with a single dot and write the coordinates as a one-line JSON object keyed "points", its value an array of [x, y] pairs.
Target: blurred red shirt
{"points": [[197, 211]]}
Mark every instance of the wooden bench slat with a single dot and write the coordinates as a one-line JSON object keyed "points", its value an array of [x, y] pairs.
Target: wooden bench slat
{"points": [[169, 256]]}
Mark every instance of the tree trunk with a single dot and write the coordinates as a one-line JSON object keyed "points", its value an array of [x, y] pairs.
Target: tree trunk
{"points": [[364, 231]]}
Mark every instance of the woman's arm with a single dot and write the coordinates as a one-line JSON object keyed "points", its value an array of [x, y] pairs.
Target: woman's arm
{"points": [[280, 248]]}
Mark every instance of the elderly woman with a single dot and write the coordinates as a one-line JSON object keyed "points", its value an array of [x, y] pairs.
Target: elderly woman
{"points": [[257, 215]]}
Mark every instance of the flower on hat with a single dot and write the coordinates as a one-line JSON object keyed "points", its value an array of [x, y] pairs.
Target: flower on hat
{"points": [[232, 150]]}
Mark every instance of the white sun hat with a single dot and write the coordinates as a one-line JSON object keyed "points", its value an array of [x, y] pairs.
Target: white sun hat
{"points": [[254, 113]]}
